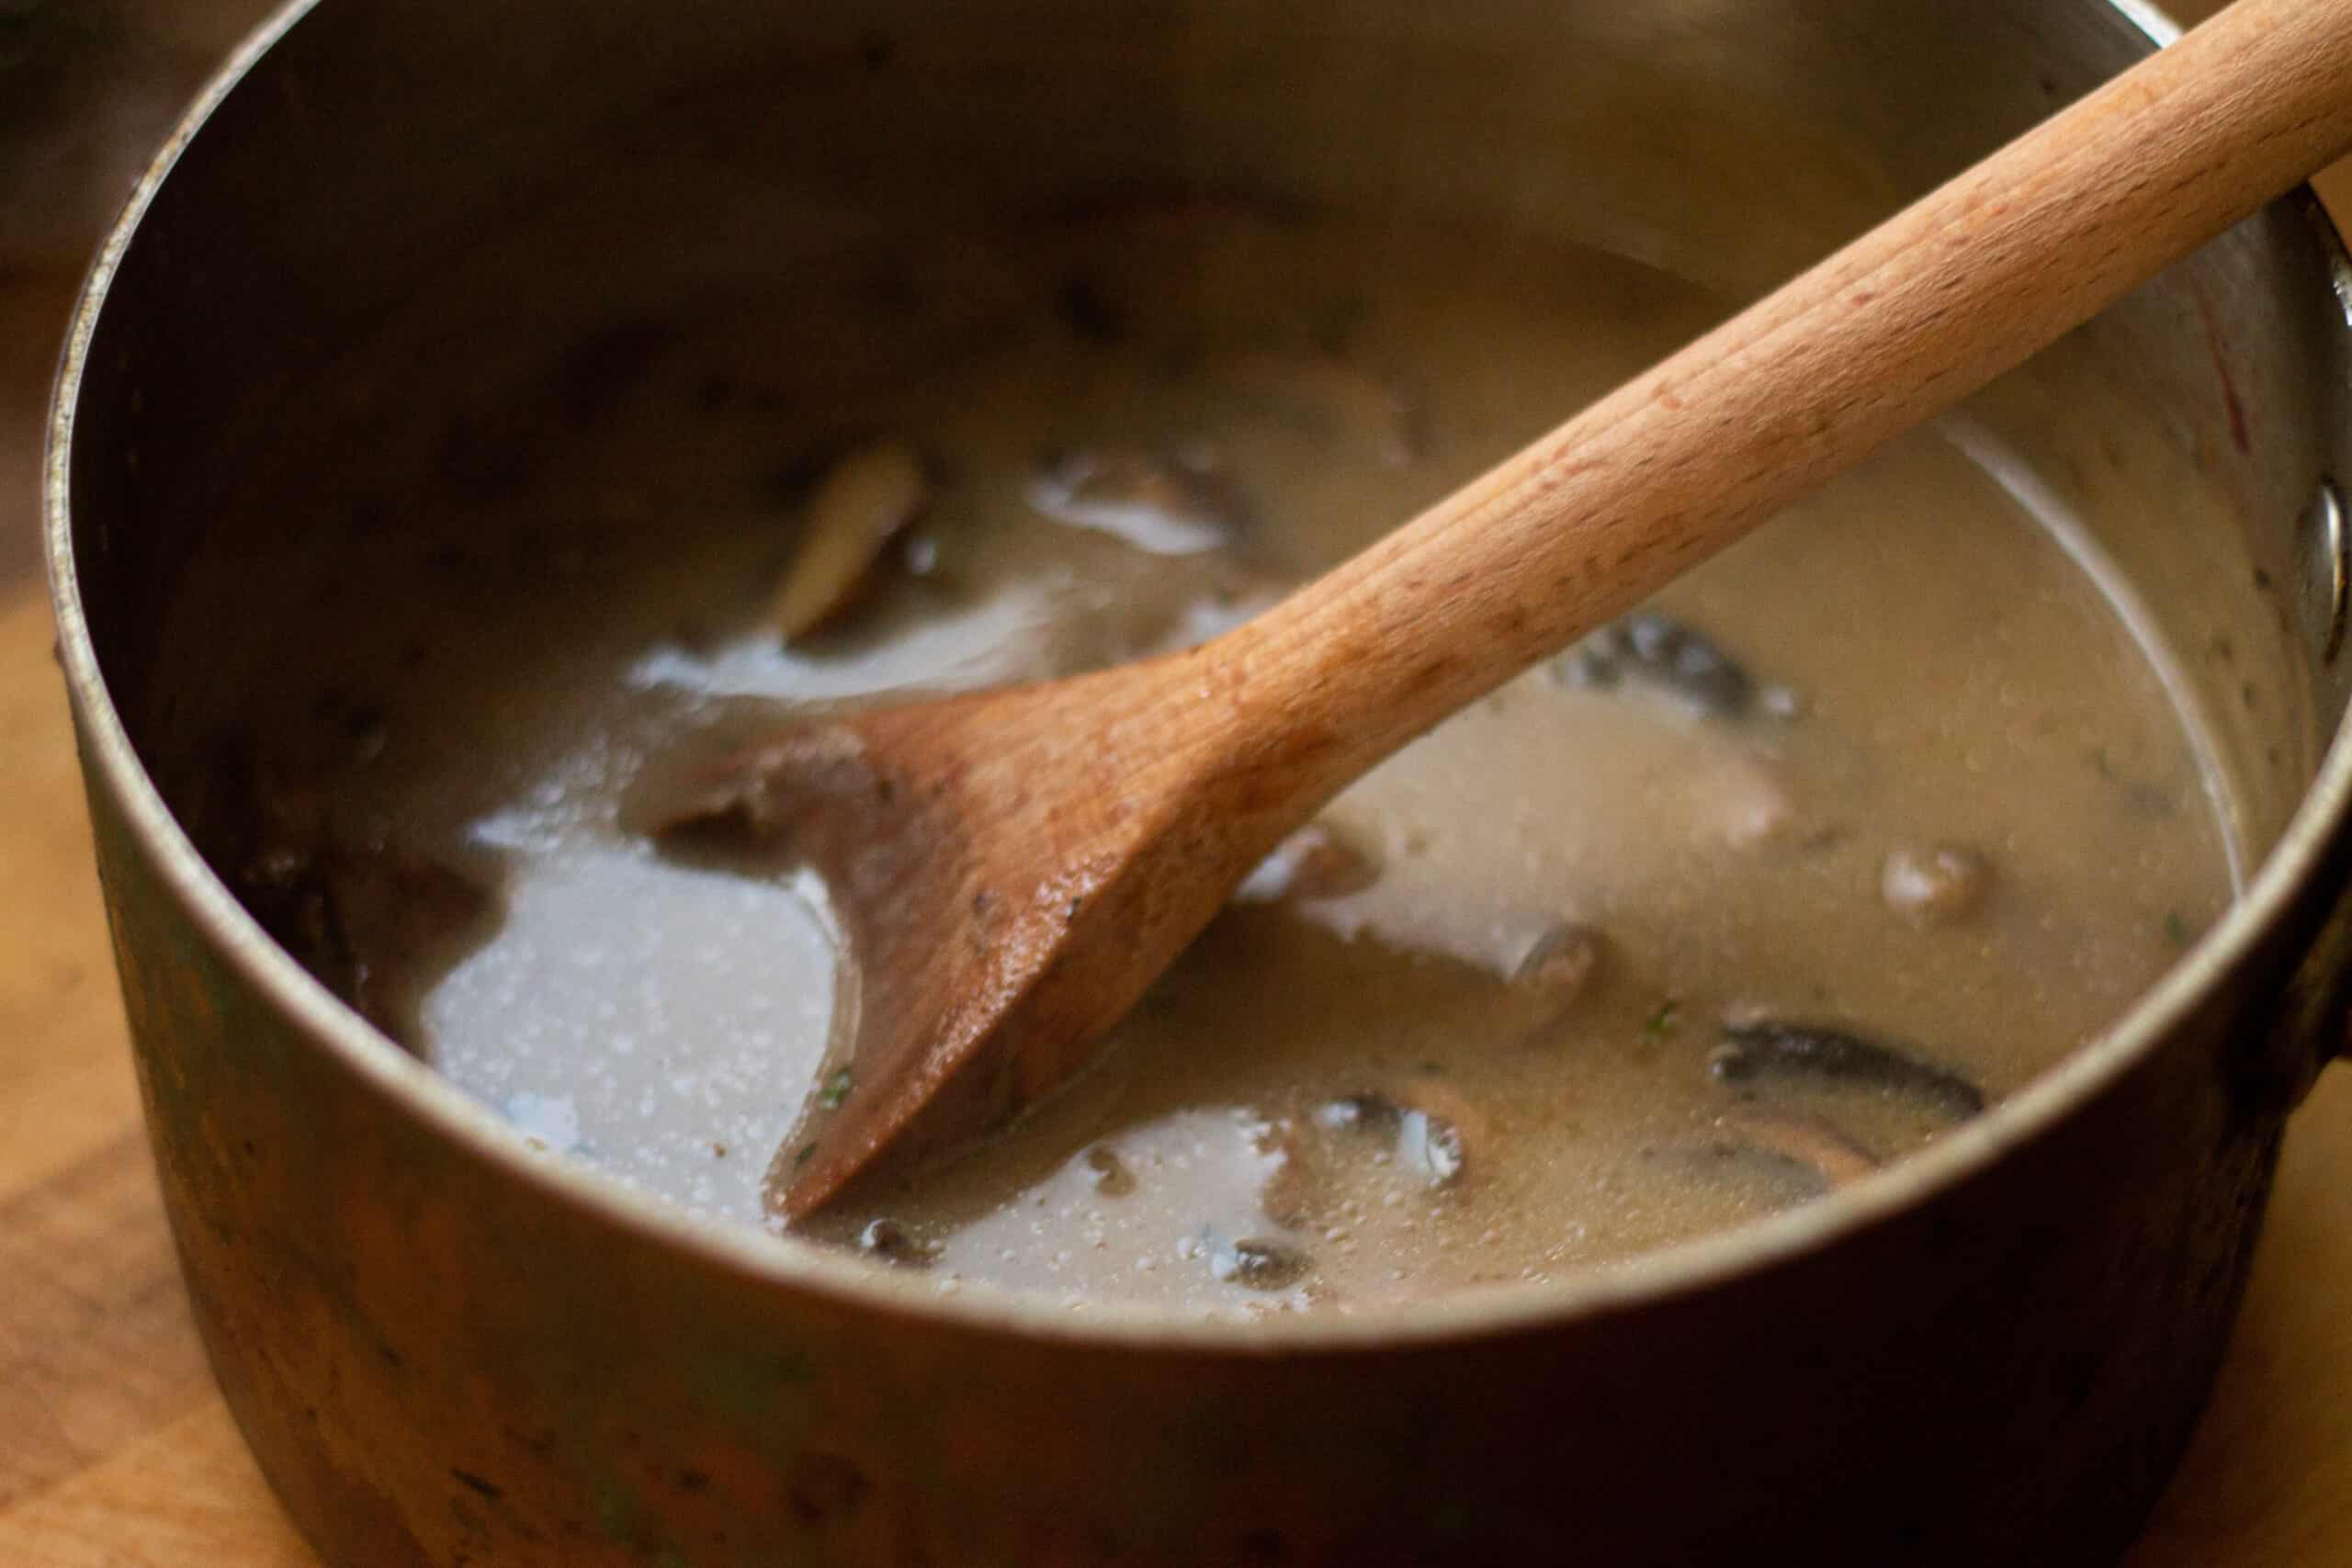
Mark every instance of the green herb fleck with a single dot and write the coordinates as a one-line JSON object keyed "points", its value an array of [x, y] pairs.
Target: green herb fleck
{"points": [[2176, 930], [1660, 1024], [1435, 1067], [836, 1090], [801, 1156]]}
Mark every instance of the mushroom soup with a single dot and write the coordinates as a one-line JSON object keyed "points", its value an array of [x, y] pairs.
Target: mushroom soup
{"points": [[1854, 830]]}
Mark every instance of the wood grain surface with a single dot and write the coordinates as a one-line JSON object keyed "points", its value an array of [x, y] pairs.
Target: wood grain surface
{"points": [[115, 1451]]}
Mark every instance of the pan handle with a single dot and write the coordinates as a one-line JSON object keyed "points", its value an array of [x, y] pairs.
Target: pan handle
{"points": [[2311, 1023]]}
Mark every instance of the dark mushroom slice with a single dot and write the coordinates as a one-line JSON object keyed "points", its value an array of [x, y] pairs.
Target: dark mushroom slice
{"points": [[1258, 1265], [887, 1240], [1663, 652], [1107, 1173], [1758, 1051], [377, 924], [408, 917], [1291, 1195], [287, 889], [1809, 1141], [1428, 1126], [1781, 1181], [1364, 1113], [1590, 665]]}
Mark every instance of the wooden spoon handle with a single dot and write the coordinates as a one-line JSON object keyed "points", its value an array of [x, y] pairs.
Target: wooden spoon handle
{"points": [[1955, 289]]}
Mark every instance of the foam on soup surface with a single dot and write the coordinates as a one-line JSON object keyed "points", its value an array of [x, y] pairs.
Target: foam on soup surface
{"points": [[1860, 827]]}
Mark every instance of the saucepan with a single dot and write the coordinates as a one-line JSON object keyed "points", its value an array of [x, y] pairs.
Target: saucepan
{"points": [[446, 1351]]}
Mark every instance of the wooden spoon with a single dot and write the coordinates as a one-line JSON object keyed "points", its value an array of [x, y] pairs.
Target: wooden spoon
{"points": [[1015, 867]]}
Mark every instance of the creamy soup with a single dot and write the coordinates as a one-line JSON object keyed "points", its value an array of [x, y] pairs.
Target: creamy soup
{"points": [[1852, 832]]}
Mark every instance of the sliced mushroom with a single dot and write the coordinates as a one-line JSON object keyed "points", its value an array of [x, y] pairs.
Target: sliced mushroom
{"points": [[1665, 653], [1689, 664], [1935, 885], [888, 1240], [748, 797], [1319, 861], [405, 915], [1107, 1173], [1258, 1265], [1432, 1146], [1291, 1195], [856, 508], [1359, 1114], [1557, 968], [1591, 665], [1430, 1126], [1559, 960], [375, 923], [1805, 1140], [287, 891], [1167, 507], [1437, 1132], [1752, 1171], [1750, 1052]]}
